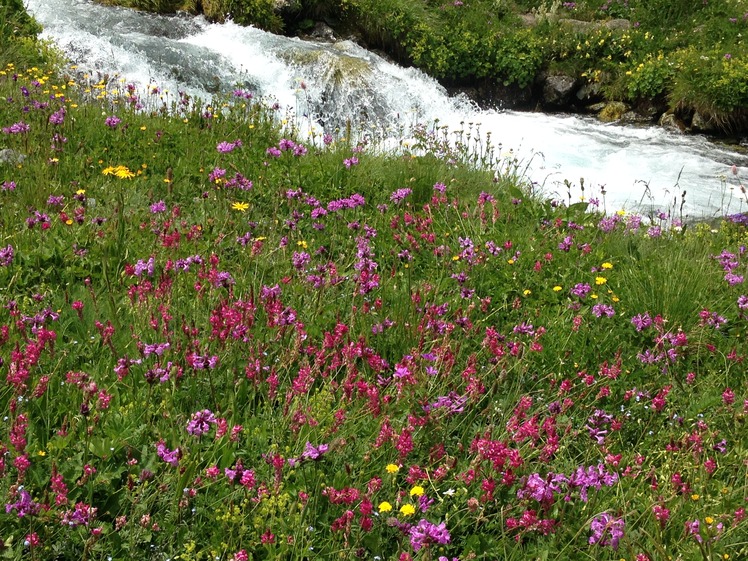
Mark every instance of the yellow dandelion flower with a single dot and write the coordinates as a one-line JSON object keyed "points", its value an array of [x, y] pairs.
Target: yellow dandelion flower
{"points": [[557, 288], [384, 506], [242, 207], [302, 244], [695, 497], [600, 280], [607, 265], [709, 520], [109, 171], [123, 173], [526, 292], [417, 491], [392, 468], [80, 192], [407, 510]]}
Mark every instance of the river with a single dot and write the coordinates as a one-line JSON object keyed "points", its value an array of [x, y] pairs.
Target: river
{"points": [[322, 85]]}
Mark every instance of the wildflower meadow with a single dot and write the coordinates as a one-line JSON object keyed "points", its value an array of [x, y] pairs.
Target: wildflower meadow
{"points": [[221, 339]]}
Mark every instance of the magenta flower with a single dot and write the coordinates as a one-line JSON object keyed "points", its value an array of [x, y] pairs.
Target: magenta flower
{"points": [[314, 452], [693, 529], [169, 456], [606, 530], [200, 422], [112, 121], [158, 207], [6, 255], [58, 117], [226, 147], [603, 310], [81, 515], [400, 195], [425, 533], [17, 128], [24, 506]]}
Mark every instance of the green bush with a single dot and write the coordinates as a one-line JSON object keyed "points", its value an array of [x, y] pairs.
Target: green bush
{"points": [[650, 78], [713, 83]]}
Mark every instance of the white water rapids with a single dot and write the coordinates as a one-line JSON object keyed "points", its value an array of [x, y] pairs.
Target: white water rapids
{"points": [[639, 168]]}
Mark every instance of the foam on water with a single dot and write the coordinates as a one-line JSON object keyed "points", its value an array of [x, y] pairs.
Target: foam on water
{"points": [[325, 85]]}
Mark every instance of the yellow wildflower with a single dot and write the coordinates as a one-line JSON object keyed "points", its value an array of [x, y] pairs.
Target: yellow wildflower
{"points": [[407, 510], [123, 173], [392, 468], [607, 265], [600, 280], [417, 491], [242, 207], [556, 288], [384, 506]]}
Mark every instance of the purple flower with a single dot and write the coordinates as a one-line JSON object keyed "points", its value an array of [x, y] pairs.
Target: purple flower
{"points": [[17, 128], [273, 152], [581, 290], [641, 321], [603, 309], [286, 145], [440, 187], [58, 117], [112, 121], [156, 348], [200, 422], [216, 175], [349, 162], [169, 456], [607, 530], [24, 506], [160, 206], [56, 200], [8, 186], [733, 279], [693, 529], [598, 425], [591, 476], [313, 452], [453, 403], [300, 259], [654, 232], [425, 533], [399, 195], [225, 147], [81, 515], [147, 267], [6, 256]]}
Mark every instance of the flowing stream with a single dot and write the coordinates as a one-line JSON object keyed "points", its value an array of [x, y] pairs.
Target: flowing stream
{"points": [[323, 85]]}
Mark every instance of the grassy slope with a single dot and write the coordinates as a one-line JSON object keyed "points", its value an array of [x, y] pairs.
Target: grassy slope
{"points": [[468, 301]]}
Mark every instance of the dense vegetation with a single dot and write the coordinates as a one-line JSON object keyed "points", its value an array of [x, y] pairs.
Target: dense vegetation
{"points": [[684, 56], [220, 339]]}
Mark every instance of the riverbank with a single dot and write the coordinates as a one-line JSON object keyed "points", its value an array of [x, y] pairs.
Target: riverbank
{"points": [[680, 64]]}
